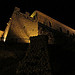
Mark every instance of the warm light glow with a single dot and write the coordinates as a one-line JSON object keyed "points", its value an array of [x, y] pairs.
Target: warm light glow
{"points": [[1, 33], [4, 40], [6, 32], [10, 18], [33, 14], [29, 29]]}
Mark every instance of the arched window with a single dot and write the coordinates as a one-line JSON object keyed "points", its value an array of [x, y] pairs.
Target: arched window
{"points": [[60, 29]]}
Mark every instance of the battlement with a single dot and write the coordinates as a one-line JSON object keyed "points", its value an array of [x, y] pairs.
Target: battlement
{"points": [[52, 23]]}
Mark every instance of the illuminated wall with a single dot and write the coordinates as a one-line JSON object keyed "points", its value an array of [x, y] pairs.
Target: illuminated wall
{"points": [[52, 23], [1, 33], [21, 27]]}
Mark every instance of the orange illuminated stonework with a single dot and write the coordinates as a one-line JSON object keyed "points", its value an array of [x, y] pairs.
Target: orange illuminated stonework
{"points": [[23, 26]]}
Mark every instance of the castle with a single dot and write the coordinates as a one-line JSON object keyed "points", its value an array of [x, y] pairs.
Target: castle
{"points": [[23, 26], [36, 44]]}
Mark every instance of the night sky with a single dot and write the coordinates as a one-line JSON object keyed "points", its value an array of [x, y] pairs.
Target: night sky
{"points": [[61, 10]]}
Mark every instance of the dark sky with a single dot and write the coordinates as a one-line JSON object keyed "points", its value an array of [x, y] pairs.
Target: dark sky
{"points": [[61, 10]]}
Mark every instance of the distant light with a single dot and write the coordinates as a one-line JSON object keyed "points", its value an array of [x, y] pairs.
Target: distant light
{"points": [[7, 23], [4, 40], [10, 18]]}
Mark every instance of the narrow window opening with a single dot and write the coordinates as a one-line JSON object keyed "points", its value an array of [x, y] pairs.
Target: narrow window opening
{"points": [[60, 29], [50, 24]]}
